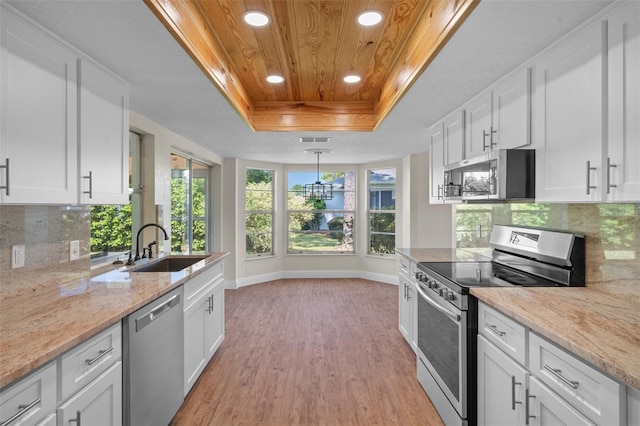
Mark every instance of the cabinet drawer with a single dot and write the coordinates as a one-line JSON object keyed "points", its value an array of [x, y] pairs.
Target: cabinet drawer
{"points": [[591, 392], [88, 360], [404, 264], [30, 399], [198, 284], [507, 334]]}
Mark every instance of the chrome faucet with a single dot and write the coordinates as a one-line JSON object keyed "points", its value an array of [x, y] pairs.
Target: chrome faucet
{"points": [[166, 237]]}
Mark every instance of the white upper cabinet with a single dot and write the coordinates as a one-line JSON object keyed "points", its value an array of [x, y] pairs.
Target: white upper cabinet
{"points": [[454, 137], [587, 115], [436, 158], [478, 125], [104, 137], [38, 116], [622, 163], [568, 118], [511, 116], [63, 119], [500, 118]]}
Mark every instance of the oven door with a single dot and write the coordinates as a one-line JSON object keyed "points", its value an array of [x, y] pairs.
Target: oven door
{"points": [[442, 344]]}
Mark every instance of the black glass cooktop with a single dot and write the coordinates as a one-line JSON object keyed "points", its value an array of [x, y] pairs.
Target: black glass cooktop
{"points": [[482, 274]]}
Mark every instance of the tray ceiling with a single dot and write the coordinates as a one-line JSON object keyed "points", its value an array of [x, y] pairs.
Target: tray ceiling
{"points": [[313, 44]]}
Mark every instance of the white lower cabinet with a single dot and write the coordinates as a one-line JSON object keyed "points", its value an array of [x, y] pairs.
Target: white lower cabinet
{"points": [[99, 403], [203, 323], [549, 386], [408, 302], [30, 399], [547, 408], [633, 406], [502, 386]]}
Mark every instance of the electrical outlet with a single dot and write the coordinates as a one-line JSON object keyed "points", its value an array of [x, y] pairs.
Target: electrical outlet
{"points": [[17, 256], [74, 250]]}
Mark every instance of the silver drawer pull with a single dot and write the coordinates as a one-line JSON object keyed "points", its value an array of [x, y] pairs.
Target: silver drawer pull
{"points": [[558, 374], [77, 420], [527, 416], [494, 329], [100, 355], [513, 393], [22, 409]]}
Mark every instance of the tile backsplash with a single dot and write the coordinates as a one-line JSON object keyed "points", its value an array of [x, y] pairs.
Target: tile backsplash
{"points": [[46, 232], [612, 231]]}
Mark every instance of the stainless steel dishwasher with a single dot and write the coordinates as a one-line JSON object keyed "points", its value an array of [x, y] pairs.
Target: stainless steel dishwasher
{"points": [[154, 361]]}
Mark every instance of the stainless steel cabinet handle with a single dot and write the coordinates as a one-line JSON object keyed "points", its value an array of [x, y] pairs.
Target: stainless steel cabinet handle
{"points": [[101, 353], [77, 420], [558, 373], [22, 408], [609, 167], [513, 393], [494, 329], [589, 186], [7, 186], [90, 191], [527, 416], [408, 294], [440, 192], [210, 301], [484, 138]]}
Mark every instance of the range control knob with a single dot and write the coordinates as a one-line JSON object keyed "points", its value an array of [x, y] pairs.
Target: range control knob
{"points": [[424, 278], [449, 295], [418, 275], [432, 284]]}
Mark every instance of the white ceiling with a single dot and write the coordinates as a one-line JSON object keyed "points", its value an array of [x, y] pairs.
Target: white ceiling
{"points": [[168, 88]]}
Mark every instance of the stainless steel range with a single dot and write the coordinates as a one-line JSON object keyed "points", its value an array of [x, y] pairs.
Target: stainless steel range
{"points": [[447, 313]]}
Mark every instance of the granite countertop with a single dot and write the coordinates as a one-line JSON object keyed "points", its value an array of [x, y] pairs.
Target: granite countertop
{"points": [[41, 322]]}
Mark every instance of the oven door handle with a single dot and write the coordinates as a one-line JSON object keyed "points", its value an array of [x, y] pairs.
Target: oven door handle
{"points": [[453, 316]]}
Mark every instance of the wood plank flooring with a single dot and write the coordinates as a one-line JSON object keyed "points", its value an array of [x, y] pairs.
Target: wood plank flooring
{"points": [[310, 352]]}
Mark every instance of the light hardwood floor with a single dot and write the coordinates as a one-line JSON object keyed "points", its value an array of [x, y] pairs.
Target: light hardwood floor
{"points": [[310, 352]]}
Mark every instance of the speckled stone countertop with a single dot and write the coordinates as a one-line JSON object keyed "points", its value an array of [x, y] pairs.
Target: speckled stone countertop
{"points": [[600, 324], [40, 322]]}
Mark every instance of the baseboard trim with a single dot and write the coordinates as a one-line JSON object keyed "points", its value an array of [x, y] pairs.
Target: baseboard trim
{"points": [[257, 279]]}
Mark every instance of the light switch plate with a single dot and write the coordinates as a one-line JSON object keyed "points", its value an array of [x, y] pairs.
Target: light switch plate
{"points": [[74, 250], [17, 256]]}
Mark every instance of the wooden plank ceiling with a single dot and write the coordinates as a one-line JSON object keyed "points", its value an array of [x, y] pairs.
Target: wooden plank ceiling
{"points": [[313, 44]]}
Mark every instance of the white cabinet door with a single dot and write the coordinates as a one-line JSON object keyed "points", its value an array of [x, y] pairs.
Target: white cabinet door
{"points": [[38, 118], [436, 159], [412, 293], [104, 137], [501, 387], [568, 119], [548, 409], [454, 137], [624, 104], [404, 309], [195, 338], [98, 403], [215, 321], [478, 125], [511, 118]]}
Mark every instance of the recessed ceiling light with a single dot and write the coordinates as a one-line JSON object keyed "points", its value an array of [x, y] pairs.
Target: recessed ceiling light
{"points": [[275, 79], [370, 18], [256, 18], [352, 78]]}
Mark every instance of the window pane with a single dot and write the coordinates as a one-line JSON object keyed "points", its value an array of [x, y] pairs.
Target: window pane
{"points": [[198, 207], [322, 226], [382, 198], [258, 233], [323, 232], [259, 212], [180, 241]]}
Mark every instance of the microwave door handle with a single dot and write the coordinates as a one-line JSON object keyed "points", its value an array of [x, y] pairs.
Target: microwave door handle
{"points": [[451, 315]]}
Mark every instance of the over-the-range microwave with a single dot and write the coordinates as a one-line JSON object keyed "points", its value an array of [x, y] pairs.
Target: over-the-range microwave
{"points": [[500, 175]]}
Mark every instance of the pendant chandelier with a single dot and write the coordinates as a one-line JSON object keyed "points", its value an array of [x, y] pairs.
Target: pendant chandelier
{"points": [[318, 191]]}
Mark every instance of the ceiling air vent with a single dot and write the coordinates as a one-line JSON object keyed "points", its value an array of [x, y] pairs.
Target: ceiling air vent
{"points": [[311, 139]]}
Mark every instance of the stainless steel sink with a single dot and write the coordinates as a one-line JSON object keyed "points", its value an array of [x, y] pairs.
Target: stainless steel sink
{"points": [[169, 264]]}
